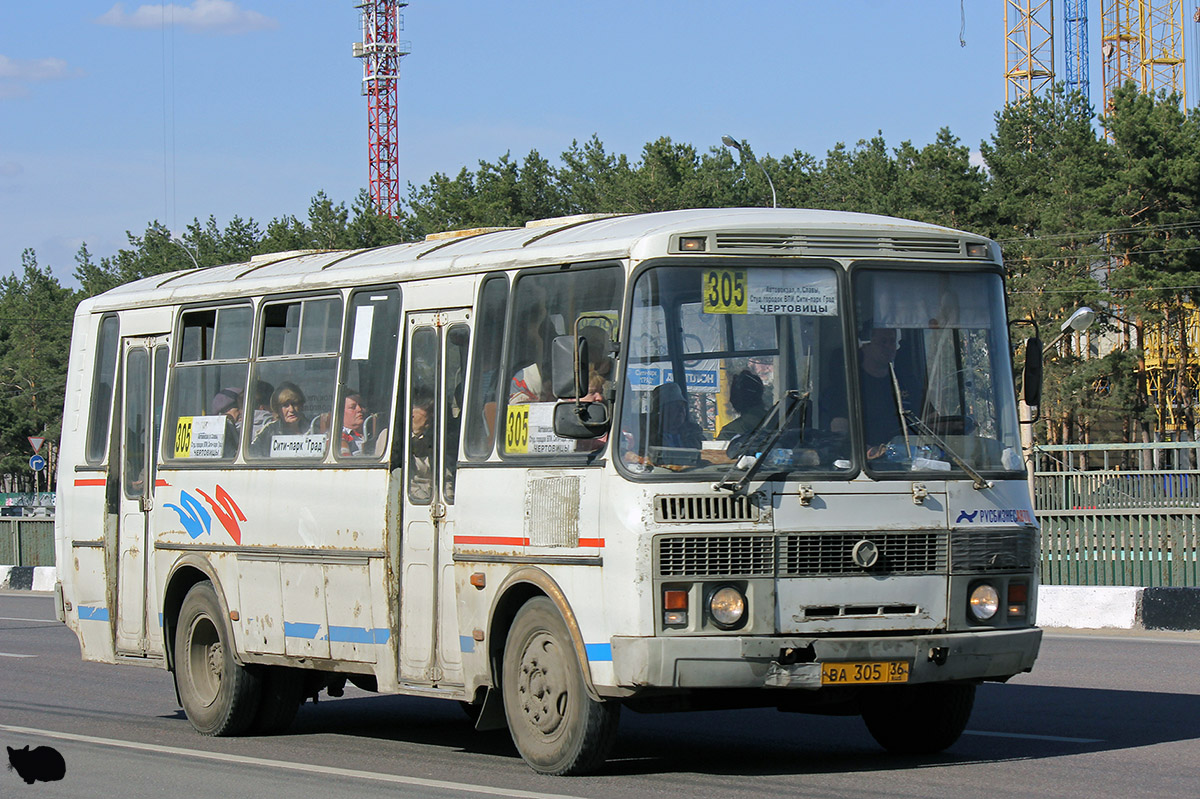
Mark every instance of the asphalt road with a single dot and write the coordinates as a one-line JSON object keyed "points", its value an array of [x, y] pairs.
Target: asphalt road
{"points": [[1101, 715]]}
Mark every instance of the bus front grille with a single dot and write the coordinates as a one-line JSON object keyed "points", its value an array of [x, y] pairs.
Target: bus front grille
{"points": [[805, 555], [716, 556]]}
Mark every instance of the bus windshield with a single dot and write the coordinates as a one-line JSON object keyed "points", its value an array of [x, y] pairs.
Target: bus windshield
{"points": [[732, 369], [934, 376], [725, 361]]}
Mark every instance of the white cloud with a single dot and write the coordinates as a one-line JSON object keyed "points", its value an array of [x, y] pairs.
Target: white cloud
{"points": [[38, 69], [207, 16], [17, 73]]}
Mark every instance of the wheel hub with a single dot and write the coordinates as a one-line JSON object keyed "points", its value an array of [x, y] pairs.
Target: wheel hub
{"points": [[542, 685]]}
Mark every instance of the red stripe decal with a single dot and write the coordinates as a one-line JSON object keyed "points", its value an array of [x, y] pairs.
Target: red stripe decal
{"points": [[89, 481], [161, 483], [488, 540], [492, 540]]}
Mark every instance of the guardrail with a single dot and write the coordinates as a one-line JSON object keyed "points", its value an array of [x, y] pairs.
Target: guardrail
{"points": [[26, 542], [1119, 524]]}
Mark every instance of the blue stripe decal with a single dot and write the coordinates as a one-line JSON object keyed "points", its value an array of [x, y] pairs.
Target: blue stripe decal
{"points": [[87, 613], [358, 635], [599, 652], [466, 643], [293, 629]]}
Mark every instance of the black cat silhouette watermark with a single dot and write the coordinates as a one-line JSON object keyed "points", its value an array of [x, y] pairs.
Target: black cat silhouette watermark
{"points": [[43, 763]]}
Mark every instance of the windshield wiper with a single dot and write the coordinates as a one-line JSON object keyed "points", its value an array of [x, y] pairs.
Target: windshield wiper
{"points": [[797, 401], [908, 418], [924, 429]]}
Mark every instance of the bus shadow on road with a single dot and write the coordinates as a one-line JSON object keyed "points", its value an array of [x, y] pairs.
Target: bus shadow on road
{"points": [[1009, 723]]}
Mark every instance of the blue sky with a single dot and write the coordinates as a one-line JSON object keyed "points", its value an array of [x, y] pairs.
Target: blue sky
{"points": [[110, 118]]}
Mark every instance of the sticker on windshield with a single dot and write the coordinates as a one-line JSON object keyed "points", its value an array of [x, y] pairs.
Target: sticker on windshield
{"points": [[806, 292]]}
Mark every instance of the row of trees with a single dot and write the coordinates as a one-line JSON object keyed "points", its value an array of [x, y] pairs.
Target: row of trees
{"points": [[1087, 216]]}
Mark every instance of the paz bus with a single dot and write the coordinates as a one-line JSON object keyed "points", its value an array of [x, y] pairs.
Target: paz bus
{"points": [[681, 460]]}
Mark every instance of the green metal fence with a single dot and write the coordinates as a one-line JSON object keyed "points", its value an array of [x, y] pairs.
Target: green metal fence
{"points": [[1119, 514], [26, 542]]}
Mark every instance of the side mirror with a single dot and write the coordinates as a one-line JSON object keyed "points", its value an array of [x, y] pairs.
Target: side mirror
{"points": [[581, 419], [568, 366], [1031, 378]]}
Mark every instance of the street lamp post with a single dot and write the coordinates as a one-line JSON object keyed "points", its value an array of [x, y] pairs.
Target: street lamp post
{"points": [[1077, 322], [747, 154]]}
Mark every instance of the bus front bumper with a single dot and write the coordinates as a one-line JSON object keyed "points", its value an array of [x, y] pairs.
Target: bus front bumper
{"points": [[795, 661]]}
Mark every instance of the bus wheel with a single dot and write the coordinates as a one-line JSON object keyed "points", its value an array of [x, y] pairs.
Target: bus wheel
{"points": [[219, 696], [557, 727], [282, 694], [919, 719]]}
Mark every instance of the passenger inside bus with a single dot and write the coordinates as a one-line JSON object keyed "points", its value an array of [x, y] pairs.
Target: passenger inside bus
{"points": [[358, 434], [228, 401], [420, 450], [530, 381], [287, 405], [674, 439], [262, 415], [746, 396]]}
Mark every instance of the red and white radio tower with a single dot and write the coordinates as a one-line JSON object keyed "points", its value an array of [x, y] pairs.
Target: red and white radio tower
{"points": [[381, 51]]}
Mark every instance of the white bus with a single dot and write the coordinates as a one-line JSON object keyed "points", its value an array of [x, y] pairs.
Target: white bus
{"points": [[683, 460]]}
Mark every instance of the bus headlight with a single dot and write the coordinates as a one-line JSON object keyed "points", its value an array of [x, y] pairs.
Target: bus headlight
{"points": [[984, 602], [727, 606]]}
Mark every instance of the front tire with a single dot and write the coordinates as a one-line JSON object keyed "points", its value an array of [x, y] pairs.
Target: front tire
{"points": [[557, 728], [919, 719], [219, 697]]}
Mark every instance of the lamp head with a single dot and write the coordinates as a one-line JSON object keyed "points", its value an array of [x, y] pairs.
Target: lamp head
{"points": [[1079, 321]]}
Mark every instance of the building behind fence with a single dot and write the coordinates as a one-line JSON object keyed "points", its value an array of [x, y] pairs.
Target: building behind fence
{"points": [[1111, 514]]}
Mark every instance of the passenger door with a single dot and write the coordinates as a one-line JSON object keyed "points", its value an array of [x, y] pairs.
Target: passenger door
{"points": [[430, 651], [144, 361]]}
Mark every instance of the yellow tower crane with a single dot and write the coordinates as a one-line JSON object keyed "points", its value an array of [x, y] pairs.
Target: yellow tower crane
{"points": [[1028, 48], [1142, 41]]}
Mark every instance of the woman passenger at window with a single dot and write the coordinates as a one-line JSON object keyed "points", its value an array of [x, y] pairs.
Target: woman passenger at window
{"points": [[287, 404]]}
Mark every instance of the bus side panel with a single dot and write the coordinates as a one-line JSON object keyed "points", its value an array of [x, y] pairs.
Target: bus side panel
{"points": [[307, 578]]}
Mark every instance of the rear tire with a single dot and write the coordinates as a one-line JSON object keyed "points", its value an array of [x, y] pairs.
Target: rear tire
{"points": [[919, 719], [219, 697], [557, 728]]}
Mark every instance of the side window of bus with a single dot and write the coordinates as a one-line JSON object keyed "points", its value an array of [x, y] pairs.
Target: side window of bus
{"points": [[545, 305], [422, 445], [207, 403], [485, 368], [368, 382], [454, 369], [103, 378], [295, 379]]}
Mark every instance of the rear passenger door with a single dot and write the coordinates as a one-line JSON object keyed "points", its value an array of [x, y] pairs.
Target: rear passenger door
{"points": [[144, 363], [430, 650]]}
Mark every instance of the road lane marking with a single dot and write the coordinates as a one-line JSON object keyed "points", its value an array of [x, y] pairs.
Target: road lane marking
{"points": [[290, 766], [13, 618], [1032, 737], [14, 655]]}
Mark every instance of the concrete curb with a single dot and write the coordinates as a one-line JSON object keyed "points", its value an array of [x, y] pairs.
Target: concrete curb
{"points": [[1118, 607], [28, 578]]}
